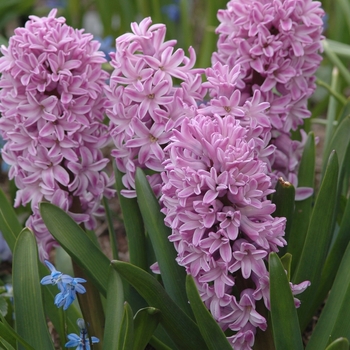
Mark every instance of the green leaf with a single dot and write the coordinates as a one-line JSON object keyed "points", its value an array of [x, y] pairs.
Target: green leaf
{"points": [[28, 305], [157, 344], [133, 224], [145, 323], [173, 275], [212, 333], [76, 243], [3, 306], [114, 309], [334, 258], [332, 108], [11, 336], [303, 209], [339, 344], [9, 224], [7, 345], [286, 261], [285, 323], [111, 231], [336, 61], [340, 143], [317, 240], [339, 48], [284, 199], [126, 336], [8, 333], [339, 297], [180, 327]]}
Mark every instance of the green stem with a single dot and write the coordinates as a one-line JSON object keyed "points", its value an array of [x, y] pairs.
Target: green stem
{"points": [[337, 62], [332, 107], [91, 307], [112, 233], [339, 97]]}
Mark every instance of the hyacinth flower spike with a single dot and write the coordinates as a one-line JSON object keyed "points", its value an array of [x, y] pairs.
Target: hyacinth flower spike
{"points": [[82, 341]]}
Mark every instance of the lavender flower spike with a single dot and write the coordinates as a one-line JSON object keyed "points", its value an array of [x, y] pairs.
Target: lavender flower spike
{"points": [[215, 201], [52, 106]]}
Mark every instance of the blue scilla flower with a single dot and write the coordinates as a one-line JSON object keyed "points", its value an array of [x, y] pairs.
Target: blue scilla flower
{"points": [[68, 295], [82, 341], [107, 45], [172, 11], [56, 3], [55, 278], [67, 285]]}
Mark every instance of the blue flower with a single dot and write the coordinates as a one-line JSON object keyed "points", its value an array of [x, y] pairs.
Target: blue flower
{"points": [[67, 285], [56, 3], [68, 295], [106, 45], [172, 11], [82, 341], [55, 278]]}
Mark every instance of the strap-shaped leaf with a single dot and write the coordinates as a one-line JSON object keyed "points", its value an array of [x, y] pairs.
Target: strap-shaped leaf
{"points": [[284, 199], [334, 257], [6, 345], [285, 323], [146, 321], [126, 336], [212, 333], [76, 243], [158, 345], [339, 344], [29, 311], [9, 224], [339, 142], [111, 232], [181, 328], [114, 309], [133, 224], [303, 209], [173, 275], [317, 240], [9, 335], [331, 320]]}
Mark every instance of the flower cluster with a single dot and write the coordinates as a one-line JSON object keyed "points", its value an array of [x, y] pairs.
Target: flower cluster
{"points": [[276, 43], [52, 107], [144, 105], [215, 201], [81, 341], [67, 285]]}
